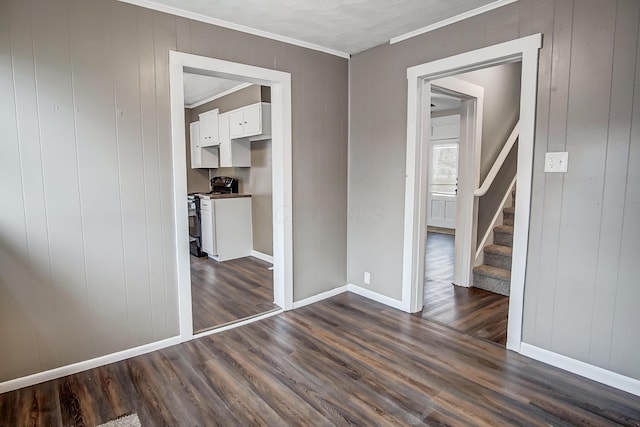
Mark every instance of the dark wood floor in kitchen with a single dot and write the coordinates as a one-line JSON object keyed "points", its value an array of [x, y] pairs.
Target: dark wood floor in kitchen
{"points": [[229, 291], [343, 361], [473, 311]]}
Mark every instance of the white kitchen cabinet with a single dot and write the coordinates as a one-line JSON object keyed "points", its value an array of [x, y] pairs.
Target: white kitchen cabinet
{"points": [[252, 121], [209, 128], [201, 157], [228, 232], [233, 153], [206, 229]]}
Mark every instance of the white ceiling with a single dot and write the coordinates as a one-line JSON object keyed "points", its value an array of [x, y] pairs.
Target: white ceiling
{"points": [[198, 88], [347, 26]]}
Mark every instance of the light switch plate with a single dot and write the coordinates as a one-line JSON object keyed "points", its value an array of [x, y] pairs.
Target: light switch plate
{"points": [[556, 162]]}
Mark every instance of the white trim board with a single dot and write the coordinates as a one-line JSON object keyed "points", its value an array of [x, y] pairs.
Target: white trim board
{"points": [[526, 50], [375, 296], [452, 20], [320, 297], [147, 4], [282, 189], [74, 368], [219, 95], [601, 375], [262, 256], [497, 220]]}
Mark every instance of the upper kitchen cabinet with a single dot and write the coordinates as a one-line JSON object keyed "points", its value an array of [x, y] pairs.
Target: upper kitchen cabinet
{"points": [[252, 121], [209, 128], [201, 157], [233, 152]]}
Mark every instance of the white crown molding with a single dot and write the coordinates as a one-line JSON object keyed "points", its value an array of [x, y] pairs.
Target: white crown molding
{"points": [[220, 23], [220, 95], [452, 20]]}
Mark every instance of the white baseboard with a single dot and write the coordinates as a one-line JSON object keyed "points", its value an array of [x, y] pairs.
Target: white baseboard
{"points": [[263, 257], [382, 299], [601, 375], [74, 368], [320, 297]]}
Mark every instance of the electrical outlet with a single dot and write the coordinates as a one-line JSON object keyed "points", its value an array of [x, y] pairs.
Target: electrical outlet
{"points": [[556, 162], [367, 278]]}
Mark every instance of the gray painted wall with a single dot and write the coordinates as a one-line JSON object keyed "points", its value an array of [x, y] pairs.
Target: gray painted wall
{"points": [[255, 180], [501, 111], [582, 288], [87, 253]]}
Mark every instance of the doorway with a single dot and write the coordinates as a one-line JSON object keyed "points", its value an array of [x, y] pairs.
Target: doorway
{"points": [[230, 199], [280, 86], [415, 234]]}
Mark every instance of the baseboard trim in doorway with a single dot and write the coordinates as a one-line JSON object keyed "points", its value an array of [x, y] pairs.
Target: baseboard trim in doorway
{"points": [[595, 373], [320, 297], [262, 256], [233, 325], [74, 368], [382, 299]]}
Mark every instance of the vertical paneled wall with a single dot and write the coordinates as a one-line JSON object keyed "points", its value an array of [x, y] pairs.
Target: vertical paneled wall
{"points": [[87, 248], [584, 240]]}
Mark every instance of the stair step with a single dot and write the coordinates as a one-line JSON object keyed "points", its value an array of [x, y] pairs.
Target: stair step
{"points": [[498, 256], [492, 279], [503, 235], [507, 216]]}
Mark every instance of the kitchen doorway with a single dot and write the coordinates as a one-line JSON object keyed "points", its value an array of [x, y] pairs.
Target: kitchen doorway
{"points": [[230, 196], [279, 84]]}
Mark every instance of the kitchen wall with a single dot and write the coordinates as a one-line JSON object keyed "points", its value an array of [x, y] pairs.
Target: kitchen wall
{"points": [[255, 180], [581, 289], [87, 247], [500, 113]]}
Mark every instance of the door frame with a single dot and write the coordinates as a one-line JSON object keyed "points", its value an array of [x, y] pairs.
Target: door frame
{"points": [[525, 50], [469, 147], [280, 83]]}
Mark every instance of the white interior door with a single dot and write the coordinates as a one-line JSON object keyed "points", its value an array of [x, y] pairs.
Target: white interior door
{"points": [[443, 171]]}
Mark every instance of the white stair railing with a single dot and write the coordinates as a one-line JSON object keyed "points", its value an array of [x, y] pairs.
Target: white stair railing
{"points": [[497, 165]]}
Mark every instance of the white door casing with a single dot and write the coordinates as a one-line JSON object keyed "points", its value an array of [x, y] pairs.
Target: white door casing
{"points": [[525, 50], [471, 116], [280, 83]]}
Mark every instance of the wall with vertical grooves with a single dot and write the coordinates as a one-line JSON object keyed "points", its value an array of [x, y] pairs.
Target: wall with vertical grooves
{"points": [[581, 290], [87, 253]]}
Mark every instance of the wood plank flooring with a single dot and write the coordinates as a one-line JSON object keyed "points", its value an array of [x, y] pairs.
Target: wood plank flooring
{"points": [[229, 291], [473, 311], [343, 361]]}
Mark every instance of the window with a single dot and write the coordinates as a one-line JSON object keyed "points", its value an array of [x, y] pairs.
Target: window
{"points": [[444, 167]]}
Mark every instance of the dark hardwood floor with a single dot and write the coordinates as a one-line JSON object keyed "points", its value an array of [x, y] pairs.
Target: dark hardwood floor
{"points": [[473, 311], [229, 291], [343, 361]]}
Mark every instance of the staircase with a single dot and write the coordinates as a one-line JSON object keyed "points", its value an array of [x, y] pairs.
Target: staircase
{"points": [[495, 274]]}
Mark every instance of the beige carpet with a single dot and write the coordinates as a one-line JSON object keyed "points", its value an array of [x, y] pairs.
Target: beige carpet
{"points": [[126, 421]]}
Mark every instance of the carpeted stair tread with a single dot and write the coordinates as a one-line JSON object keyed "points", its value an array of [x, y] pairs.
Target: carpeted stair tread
{"points": [[492, 279], [509, 211], [505, 229], [499, 250], [494, 272]]}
